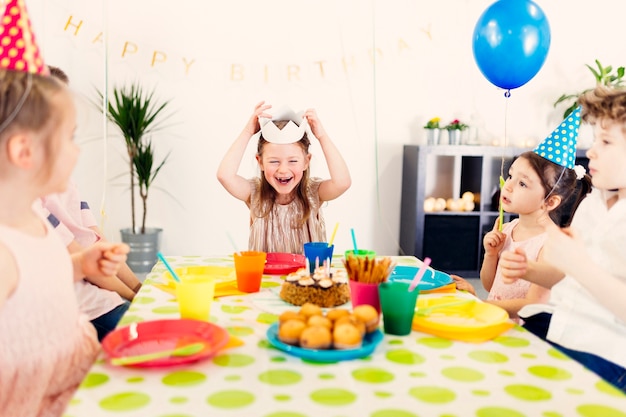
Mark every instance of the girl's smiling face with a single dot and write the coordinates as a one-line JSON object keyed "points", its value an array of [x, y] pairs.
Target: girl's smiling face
{"points": [[283, 166]]}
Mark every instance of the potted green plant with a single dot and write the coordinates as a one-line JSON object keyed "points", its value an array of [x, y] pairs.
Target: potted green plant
{"points": [[454, 129], [603, 75], [137, 113], [433, 131]]}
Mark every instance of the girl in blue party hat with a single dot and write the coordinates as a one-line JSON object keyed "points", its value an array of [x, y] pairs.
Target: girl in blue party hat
{"points": [[539, 185]]}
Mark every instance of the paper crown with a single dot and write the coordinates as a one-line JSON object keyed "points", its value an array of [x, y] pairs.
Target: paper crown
{"points": [[292, 132], [560, 146], [18, 49]]}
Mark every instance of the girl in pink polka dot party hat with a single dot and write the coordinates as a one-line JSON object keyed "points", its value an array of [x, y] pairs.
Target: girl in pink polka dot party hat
{"points": [[46, 345]]}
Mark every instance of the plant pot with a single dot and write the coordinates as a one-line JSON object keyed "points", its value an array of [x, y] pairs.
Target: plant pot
{"points": [[454, 137], [433, 136], [143, 248]]}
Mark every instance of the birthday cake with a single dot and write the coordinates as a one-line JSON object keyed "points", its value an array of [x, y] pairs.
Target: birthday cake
{"points": [[326, 287]]}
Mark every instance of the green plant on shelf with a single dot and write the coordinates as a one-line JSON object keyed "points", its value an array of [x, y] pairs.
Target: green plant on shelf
{"points": [[606, 76], [456, 124], [433, 123]]}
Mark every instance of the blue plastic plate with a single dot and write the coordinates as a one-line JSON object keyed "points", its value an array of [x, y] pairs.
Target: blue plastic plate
{"points": [[429, 281], [318, 355]]}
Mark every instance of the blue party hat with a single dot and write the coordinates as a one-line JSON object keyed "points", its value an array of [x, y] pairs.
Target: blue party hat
{"points": [[560, 146]]}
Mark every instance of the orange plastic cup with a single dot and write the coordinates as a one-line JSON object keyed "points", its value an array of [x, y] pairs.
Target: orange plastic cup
{"points": [[249, 267]]}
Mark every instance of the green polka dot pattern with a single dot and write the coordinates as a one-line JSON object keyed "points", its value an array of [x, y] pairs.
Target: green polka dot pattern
{"points": [[513, 375]]}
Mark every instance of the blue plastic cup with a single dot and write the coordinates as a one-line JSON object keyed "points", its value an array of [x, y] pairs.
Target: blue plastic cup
{"points": [[317, 253]]}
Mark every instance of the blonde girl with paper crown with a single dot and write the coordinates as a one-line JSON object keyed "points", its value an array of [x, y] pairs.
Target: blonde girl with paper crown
{"points": [[585, 265], [46, 345], [285, 202], [540, 187]]}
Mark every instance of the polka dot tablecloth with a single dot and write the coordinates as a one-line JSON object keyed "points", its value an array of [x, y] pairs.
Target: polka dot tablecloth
{"points": [[514, 375]]}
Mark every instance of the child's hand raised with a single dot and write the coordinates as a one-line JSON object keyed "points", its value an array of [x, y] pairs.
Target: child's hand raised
{"points": [[564, 249], [314, 122], [253, 125], [494, 240], [513, 265], [102, 259]]}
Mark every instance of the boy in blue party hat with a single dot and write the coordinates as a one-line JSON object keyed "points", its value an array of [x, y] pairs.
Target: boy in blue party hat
{"points": [[585, 265]]}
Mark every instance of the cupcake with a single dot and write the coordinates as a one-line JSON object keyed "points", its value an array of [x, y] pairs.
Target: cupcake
{"points": [[316, 337], [290, 331], [368, 315], [319, 321], [337, 313], [353, 320], [347, 336], [291, 315], [309, 309]]}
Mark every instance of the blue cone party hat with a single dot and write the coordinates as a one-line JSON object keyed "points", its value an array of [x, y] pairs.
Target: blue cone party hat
{"points": [[560, 146]]}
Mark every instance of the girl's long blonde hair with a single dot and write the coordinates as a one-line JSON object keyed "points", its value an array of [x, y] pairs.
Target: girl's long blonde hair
{"points": [[267, 193]]}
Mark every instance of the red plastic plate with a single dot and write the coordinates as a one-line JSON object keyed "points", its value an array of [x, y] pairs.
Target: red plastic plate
{"points": [[278, 263], [159, 335]]}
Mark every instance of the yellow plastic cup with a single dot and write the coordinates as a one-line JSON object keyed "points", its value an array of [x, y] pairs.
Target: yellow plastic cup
{"points": [[195, 295]]}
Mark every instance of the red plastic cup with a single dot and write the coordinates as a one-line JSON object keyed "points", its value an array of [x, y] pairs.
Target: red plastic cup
{"points": [[364, 293]]}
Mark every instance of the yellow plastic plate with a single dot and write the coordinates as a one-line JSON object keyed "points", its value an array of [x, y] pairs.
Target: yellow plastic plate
{"points": [[469, 322]]}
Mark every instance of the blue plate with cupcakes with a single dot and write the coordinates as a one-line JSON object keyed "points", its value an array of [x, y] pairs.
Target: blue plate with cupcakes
{"points": [[337, 335]]}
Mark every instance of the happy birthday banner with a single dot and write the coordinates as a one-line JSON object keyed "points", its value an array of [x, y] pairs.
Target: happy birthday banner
{"points": [[126, 48]]}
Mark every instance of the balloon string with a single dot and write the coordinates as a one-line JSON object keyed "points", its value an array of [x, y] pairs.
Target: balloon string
{"points": [[105, 108], [507, 94], [375, 106]]}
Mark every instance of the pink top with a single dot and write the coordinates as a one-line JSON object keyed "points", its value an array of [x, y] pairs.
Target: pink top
{"points": [[72, 218], [519, 289], [46, 345]]}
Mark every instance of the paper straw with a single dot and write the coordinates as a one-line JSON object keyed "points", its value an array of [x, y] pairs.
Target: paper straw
{"points": [[232, 242], [420, 274], [332, 237], [354, 241], [167, 265]]}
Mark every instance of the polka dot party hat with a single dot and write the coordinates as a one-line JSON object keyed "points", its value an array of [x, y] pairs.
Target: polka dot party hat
{"points": [[560, 146], [18, 49]]}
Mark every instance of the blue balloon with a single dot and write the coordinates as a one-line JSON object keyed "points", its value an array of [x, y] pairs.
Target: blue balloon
{"points": [[511, 41]]}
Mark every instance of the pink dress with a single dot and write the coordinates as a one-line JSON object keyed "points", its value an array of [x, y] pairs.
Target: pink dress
{"points": [[46, 345], [519, 289]]}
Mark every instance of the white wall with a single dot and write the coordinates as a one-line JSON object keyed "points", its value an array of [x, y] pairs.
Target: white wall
{"points": [[188, 49]]}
